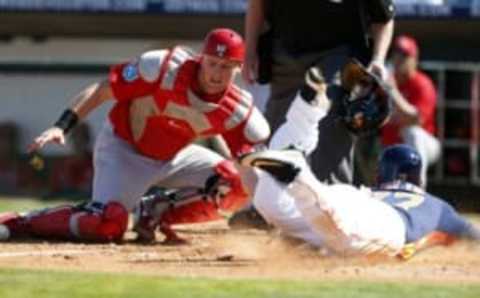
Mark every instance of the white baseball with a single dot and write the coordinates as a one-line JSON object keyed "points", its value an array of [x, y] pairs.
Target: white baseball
{"points": [[4, 233]]}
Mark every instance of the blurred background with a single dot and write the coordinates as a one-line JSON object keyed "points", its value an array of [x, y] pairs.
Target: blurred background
{"points": [[50, 49]]}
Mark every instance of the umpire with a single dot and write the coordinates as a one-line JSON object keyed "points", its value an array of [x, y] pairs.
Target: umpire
{"points": [[285, 38]]}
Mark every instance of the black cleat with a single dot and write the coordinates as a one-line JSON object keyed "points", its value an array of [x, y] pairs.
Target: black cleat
{"points": [[281, 164]]}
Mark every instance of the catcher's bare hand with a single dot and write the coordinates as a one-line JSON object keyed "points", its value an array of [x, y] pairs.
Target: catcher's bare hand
{"points": [[53, 134]]}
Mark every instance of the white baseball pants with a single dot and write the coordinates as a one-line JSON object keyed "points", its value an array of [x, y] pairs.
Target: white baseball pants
{"points": [[123, 175]]}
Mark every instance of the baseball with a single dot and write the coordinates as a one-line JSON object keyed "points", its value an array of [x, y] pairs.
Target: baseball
{"points": [[4, 233]]}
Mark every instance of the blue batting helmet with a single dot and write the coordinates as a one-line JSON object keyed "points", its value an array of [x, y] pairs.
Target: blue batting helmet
{"points": [[399, 163]]}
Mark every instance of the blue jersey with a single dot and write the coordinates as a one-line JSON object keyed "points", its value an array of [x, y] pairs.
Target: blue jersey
{"points": [[422, 212]]}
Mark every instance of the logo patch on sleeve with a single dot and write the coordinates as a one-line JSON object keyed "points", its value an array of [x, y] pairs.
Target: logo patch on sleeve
{"points": [[130, 72]]}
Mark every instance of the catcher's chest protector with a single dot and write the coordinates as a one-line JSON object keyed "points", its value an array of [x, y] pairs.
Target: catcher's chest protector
{"points": [[176, 115]]}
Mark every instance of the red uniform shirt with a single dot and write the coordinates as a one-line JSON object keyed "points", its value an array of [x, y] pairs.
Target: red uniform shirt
{"points": [[159, 112], [420, 92]]}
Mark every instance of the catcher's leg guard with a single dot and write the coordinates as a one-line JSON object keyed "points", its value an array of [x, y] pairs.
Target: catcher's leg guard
{"points": [[232, 195], [164, 208], [223, 192], [94, 222], [194, 212]]}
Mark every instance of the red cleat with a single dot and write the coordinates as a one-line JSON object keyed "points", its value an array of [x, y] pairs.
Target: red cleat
{"points": [[171, 238]]}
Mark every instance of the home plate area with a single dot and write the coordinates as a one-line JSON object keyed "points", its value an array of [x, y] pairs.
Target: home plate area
{"points": [[215, 251]]}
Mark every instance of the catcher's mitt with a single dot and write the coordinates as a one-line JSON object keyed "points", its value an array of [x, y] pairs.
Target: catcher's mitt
{"points": [[366, 104]]}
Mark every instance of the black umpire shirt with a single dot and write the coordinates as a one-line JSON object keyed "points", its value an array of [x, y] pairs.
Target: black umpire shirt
{"points": [[316, 25]]}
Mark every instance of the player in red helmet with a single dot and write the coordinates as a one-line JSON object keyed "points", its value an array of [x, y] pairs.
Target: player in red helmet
{"points": [[415, 100], [224, 43], [164, 100], [222, 54]]}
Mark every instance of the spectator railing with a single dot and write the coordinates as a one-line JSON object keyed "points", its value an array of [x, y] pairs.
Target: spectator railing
{"points": [[458, 120]]}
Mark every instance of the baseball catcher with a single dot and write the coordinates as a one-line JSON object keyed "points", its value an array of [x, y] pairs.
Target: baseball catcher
{"points": [[163, 101]]}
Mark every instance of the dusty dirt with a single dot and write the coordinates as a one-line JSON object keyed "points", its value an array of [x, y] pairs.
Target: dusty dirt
{"points": [[217, 252]]}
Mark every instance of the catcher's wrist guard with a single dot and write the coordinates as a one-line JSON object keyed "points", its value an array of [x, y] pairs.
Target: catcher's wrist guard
{"points": [[67, 121]]}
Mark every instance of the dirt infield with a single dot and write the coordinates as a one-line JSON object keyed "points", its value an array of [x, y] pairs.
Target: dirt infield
{"points": [[215, 251]]}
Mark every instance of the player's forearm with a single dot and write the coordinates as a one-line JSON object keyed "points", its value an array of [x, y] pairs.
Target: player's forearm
{"points": [[406, 112], [90, 98], [82, 104], [382, 37], [254, 21]]}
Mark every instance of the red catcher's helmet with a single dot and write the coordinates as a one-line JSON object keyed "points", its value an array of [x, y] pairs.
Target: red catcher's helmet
{"points": [[224, 43]]}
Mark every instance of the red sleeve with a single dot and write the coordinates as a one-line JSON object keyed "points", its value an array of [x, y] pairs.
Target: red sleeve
{"points": [[126, 82], [252, 131], [237, 142], [424, 99]]}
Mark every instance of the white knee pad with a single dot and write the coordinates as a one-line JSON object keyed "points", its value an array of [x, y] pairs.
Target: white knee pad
{"points": [[426, 145]]}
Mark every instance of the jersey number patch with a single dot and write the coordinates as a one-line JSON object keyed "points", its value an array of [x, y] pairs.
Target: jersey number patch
{"points": [[408, 201]]}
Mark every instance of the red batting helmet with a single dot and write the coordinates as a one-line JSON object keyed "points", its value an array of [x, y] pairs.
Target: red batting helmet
{"points": [[407, 45], [224, 43]]}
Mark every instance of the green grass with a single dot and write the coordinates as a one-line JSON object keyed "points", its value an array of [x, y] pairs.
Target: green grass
{"points": [[25, 204], [38, 284]]}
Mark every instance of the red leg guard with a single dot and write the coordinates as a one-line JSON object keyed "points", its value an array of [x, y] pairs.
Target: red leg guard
{"points": [[115, 221], [171, 238], [206, 210], [195, 212], [50, 223], [237, 197], [108, 226], [227, 194], [69, 222]]}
